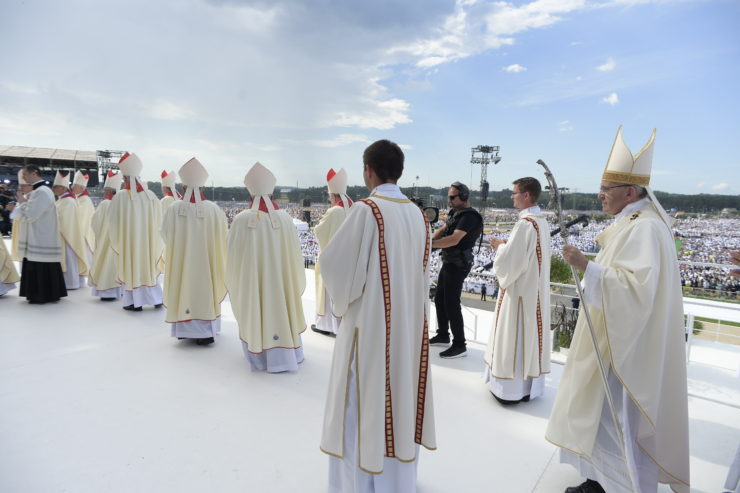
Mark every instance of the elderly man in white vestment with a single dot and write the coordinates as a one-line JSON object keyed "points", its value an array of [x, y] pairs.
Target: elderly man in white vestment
{"points": [[85, 211], [376, 269], [135, 219], [265, 278], [169, 190], [518, 353], [39, 243], [632, 291], [24, 188], [103, 272], [194, 231], [75, 261], [326, 322]]}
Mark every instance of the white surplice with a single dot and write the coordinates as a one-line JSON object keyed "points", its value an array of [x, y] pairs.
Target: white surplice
{"points": [[517, 356], [633, 293], [376, 271]]}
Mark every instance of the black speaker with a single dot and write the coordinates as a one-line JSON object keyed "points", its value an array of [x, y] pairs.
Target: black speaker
{"points": [[307, 216], [306, 202]]}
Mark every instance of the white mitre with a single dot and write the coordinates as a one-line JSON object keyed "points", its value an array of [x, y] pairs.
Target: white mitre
{"points": [[113, 180], [169, 179], [130, 165], [261, 182], [336, 182], [21, 180], [623, 167], [61, 180], [81, 179], [193, 175]]}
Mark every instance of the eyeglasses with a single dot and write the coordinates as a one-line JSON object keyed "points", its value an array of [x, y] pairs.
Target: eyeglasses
{"points": [[516, 193], [452, 197], [606, 189]]}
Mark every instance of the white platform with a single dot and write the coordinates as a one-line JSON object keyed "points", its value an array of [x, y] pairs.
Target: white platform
{"points": [[97, 399]]}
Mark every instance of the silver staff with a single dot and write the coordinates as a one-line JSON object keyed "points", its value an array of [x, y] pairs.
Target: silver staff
{"points": [[555, 201]]}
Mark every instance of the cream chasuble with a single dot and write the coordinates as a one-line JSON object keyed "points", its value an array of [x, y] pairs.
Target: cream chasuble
{"points": [[72, 235], [103, 274], [265, 278], [135, 219], [376, 272], [641, 337], [8, 272], [325, 231], [522, 266], [167, 201], [195, 245], [15, 239], [85, 211]]}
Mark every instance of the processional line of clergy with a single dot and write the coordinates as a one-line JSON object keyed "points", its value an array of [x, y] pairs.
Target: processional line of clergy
{"points": [[372, 281]]}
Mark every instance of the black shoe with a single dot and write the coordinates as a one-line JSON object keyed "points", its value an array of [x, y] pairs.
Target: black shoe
{"points": [[439, 340], [588, 486], [132, 308], [204, 341], [158, 305], [504, 401], [319, 331], [454, 352], [108, 299]]}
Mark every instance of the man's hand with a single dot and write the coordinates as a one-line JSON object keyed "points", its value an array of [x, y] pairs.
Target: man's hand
{"points": [[495, 242], [20, 198], [574, 257]]}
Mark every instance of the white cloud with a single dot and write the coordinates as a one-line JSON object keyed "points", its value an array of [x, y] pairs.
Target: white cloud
{"points": [[515, 68], [166, 110], [720, 186], [565, 126], [608, 66], [575, 43], [700, 184], [611, 99], [340, 140]]}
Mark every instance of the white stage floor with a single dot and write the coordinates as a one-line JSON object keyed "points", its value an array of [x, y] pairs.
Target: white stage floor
{"points": [[97, 399]]}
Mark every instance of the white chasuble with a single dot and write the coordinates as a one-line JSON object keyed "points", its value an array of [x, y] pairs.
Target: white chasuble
{"points": [[85, 211], [640, 333], [265, 278], [522, 316], [195, 246], [71, 232], [325, 231], [103, 273], [376, 272], [135, 219], [8, 273]]}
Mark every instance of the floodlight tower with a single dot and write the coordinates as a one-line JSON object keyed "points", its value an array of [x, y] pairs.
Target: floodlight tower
{"points": [[484, 155], [105, 163]]}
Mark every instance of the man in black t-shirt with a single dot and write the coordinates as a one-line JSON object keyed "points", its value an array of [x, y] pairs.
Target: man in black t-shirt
{"points": [[456, 239]]}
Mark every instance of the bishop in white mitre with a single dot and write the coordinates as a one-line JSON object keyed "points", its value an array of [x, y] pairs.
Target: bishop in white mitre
{"points": [[194, 232], [326, 322], [169, 190], [85, 211], [632, 291], [24, 188], [104, 273], [265, 278], [517, 356], [8, 273], [75, 260], [376, 269], [135, 219]]}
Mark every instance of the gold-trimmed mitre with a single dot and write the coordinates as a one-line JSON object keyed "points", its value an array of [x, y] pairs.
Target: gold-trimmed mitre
{"points": [[623, 167]]}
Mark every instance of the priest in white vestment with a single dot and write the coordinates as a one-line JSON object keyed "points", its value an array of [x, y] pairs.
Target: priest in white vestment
{"points": [[376, 270], [194, 232], [326, 322], [24, 188], [75, 260], [169, 190], [8, 273], [85, 211], [518, 353], [103, 273], [39, 243], [265, 278], [632, 291], [135, 219]]}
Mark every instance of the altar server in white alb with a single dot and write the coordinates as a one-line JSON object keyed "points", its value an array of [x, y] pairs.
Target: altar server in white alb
{"points": [[265, 278], [103, 273], [8, 273], [24, 188], [518, 353], [135, 219], [194, 231], [169, 190], [75, 261], [376, 270], [85, 211], [632, 291], [326, 322], [40, 244]]}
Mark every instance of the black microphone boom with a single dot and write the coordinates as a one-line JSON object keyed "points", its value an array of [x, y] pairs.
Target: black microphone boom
{"points": [[580, 219]]}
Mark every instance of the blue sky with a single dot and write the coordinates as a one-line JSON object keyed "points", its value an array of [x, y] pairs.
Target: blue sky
{"points": [[304, 86]]}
